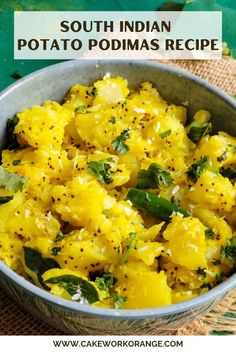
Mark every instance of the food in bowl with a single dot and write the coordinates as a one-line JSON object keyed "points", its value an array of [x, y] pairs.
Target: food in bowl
{"points": [[111, 199]]}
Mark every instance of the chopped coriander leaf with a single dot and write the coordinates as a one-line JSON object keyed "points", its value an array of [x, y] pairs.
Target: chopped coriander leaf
{"points": [[5, 199], [209, 234], [60, 236], [228, 172], [229, 251], [154, 177], [202, 272], [129, 247], [80, 109], [206, 286], [219, 278], [197, 130], [232, 146], [93, 92], [165, 134], [119, 143], [223, 157], [12, 142], [119, 300], [106, 282], [55, 250], [16, 162], [11, 181], [112, 120], [101, 169], [197, 168]]}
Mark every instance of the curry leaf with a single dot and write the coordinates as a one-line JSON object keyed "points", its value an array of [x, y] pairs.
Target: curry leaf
{"points": [[11, 181], [37, 263], [79, 289], [154, 177], [12, 142], [5, 199]]}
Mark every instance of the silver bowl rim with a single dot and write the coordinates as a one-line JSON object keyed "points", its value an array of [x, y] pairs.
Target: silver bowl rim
{"points": [[189, 305]]}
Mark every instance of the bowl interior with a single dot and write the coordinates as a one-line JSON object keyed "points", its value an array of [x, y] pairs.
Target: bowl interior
{"points": [[174, 85]]}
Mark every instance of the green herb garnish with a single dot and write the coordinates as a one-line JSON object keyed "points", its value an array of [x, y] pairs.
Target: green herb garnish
{"points": [[119, 300], [229, 251], [38, 264], [202, 272], [79, 289], [112, 120], [154, 177], [11, 181], [106, 282], [55, 251], [80, 109], [197, 168], [16, 162], [129, 247], [209, 234], [165, 134], [5, 199], [119, 143], [93, 92], [60, 236], [219, 278], [155, 205], [12, 142], [197, 130], [228, 172], [101, 169]]}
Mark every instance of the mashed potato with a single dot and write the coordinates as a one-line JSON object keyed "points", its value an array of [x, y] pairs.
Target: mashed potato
{"points": [[111, 199]]}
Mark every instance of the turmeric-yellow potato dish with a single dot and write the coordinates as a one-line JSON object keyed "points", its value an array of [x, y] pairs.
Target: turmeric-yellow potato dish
{"points": [[112, 199]]}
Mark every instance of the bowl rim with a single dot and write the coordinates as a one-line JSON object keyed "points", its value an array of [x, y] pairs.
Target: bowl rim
{"points": [[188, 305]]}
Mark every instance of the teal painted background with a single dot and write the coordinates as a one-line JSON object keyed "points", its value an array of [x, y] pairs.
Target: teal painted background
{"points": [[8, 65]]}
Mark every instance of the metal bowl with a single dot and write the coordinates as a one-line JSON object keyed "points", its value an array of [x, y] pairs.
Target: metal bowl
{"points": [[174, 85]]}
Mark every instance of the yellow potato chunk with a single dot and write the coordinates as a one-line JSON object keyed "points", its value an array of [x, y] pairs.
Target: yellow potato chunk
{"points": [[43, 126], [186, 242], [80, 201], [213, 191], [153, 292]]}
